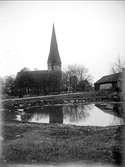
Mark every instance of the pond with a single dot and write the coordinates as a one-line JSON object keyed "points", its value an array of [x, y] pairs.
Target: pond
{"points": [[100, 114]]}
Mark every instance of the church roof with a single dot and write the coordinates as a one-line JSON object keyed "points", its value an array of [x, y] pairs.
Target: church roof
{"points": [[54, 57], [109, 78], [40, 75]]}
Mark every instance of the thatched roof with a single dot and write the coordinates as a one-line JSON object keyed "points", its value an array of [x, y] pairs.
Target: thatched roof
{"points": [[109, 78]]}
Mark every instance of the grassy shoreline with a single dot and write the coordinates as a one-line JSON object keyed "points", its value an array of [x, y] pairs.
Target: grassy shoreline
{"points": [[41, 143]]}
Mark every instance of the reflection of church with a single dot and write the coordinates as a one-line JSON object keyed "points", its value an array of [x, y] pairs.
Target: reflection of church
{"points": [[56, 114], [50, 114], [43, 81]]}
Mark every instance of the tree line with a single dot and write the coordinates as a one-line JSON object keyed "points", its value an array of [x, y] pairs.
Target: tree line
{"points": [[74, 78]]}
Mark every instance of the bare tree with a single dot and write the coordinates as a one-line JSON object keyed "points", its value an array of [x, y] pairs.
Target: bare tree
{"points": [[79, 71], [73, 74], [9, 86], [117, 66]]}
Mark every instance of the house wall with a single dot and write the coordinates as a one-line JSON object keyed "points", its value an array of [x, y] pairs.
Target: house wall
{"points": [[114, 86], [106, 86]]}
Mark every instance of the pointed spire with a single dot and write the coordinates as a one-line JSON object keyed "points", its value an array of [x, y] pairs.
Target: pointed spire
{"points": [[54, 58]]}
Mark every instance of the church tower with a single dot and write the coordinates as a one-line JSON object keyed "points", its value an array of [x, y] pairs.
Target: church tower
{"points": [[54, 61]]}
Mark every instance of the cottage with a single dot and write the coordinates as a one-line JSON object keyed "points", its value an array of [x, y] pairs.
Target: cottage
{"points": [[111, 82]]}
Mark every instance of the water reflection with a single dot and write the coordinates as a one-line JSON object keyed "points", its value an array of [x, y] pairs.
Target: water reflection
{"points": [[81, 114], [115, 109], [75, 113], [91, 115], [55, 114], [47, 114], [39, 118]]}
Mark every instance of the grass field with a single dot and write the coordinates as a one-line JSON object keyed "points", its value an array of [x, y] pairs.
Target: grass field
{"points": [[40, 143]]}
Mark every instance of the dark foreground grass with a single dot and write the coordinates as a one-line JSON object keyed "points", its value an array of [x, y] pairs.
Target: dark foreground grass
{"points": [[36, 143]]}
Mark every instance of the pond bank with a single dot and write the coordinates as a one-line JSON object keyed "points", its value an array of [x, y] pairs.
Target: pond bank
{"points": [[67, 164], [41, 143]]}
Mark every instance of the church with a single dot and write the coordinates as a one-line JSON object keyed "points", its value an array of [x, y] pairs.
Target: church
{"points": [[43, 81]]}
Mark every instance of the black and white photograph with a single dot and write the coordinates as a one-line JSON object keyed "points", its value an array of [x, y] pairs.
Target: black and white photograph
{"points": [[62, 83]]}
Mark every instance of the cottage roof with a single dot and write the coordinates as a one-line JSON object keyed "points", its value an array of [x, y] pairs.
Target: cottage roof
{"points": [[54, 58], [109, 78]]}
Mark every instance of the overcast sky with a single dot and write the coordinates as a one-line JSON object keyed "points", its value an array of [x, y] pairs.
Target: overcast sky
{"points": [[88, 33]]}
